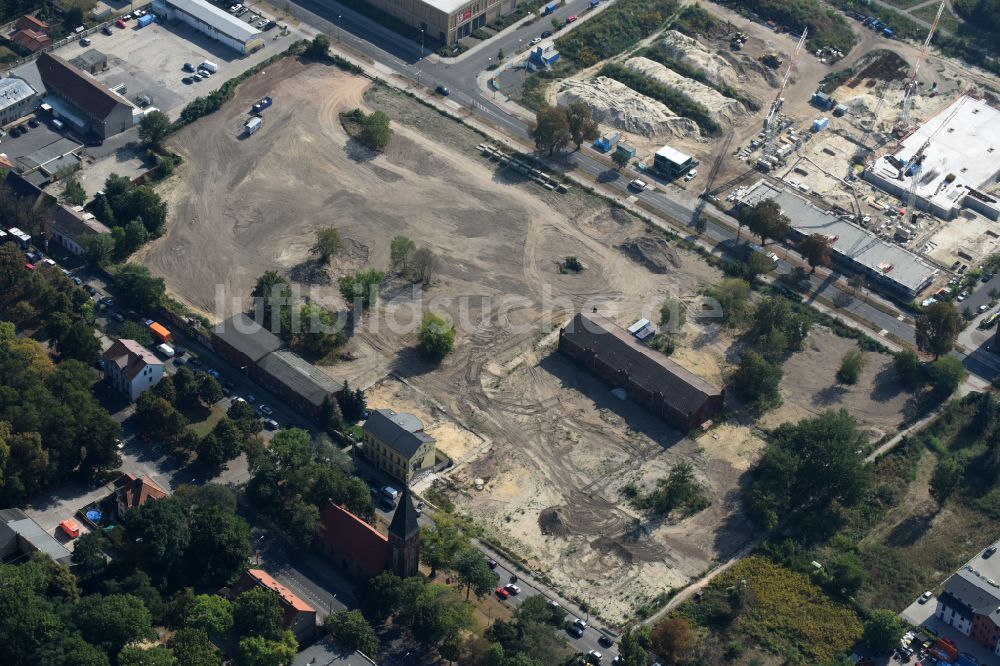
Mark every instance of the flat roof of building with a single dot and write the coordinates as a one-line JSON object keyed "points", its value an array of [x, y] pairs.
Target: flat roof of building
{"points": [[672, 154], [893, 262], [13, 90], [446, 6], [221, 20], [56, 150], [965, 146], [247, 336]]}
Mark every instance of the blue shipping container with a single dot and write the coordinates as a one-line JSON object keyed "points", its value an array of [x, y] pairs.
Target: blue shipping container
{"points": [[145, 20]]}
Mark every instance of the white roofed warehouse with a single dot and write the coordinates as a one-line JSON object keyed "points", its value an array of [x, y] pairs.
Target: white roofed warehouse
{"points": [[17, 99], [954, 158], [213, 21]]}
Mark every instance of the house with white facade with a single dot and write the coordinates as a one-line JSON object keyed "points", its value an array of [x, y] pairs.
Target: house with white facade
{"points": [[131, 368], [970, 601]]}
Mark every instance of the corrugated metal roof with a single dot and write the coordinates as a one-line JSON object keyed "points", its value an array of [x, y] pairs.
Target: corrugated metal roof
{"points": [[219, 19]]}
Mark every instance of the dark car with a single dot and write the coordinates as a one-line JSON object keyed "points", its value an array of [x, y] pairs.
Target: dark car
{"points": [[188, 67], [187, 80], [33, 122], [442, 90], [89, 289], [575, 631], [604, 641], [491, 563], [15, 131], [107, 301], [106, 30], [547, 33]]}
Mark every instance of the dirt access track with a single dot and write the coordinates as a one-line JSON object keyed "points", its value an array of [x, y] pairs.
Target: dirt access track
{"points": [[559, 444]]}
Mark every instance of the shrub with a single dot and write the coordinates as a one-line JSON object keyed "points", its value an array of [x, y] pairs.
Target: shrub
{"points": [[678, 102], [614, 30]]}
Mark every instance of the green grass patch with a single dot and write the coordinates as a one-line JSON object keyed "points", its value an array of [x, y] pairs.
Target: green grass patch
{"points": [[614, 30], [203, 427], [673, 98], [948, 22], [780, 609]]}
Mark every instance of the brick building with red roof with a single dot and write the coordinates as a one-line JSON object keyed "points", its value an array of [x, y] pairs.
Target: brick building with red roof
{"points": [[299, 617], [362, 551]]}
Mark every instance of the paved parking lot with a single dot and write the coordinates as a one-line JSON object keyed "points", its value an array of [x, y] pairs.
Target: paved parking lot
{"points": [[149, 61], [35, 139]]}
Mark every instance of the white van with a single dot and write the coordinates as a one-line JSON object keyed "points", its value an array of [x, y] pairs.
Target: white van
{"points": [[210, 66], [165, 349]]}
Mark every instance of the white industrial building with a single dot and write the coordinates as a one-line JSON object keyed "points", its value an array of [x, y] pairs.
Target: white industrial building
{"points": [[960, 164], [892, 266], [213, 21], [17, 99]]}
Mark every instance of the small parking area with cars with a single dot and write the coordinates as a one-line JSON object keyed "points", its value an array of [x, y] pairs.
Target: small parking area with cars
{"points": [[150, 61]]}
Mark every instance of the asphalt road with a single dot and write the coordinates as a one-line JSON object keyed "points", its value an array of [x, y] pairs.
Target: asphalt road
{"points": [[529, 588]]}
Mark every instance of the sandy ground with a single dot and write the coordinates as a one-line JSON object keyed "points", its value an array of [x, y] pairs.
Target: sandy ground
{"points": [[878, 401], [552, 442]]}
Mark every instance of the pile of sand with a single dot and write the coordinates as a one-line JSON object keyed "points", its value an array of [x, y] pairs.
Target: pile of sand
{"points": [[690, 52], [721, 108], [653, 252], [618, 106]]}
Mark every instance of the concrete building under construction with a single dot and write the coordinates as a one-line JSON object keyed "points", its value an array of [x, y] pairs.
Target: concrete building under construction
{"points": [[954, 157]]}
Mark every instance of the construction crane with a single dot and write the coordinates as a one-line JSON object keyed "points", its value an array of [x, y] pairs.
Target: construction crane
{"points": [[771, 122], [913, 165], [910, 87]]}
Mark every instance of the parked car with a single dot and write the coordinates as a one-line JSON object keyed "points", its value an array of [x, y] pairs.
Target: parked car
{"points": [[264, 409], [605, 642], [925, 597], [85, 41], [491, 563], [187, 80], [33, 122], [118, 317], [572, 18], [638, 185], [106, 30], [535, 41], [580, 623], [442, 90], [120, 23], [594, 657], [546, 33], [989, 551], [575, 631], [691, 174], [271, 424], [513, 589], [188, 67], [502, 593], [70, 527], [984, 307], [196, 77], [213, 373]]}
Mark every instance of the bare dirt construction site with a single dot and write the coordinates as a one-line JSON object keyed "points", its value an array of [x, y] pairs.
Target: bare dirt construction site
{"points": [[552, 445]]}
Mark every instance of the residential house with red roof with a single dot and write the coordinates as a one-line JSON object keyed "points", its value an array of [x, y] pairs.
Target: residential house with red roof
{"points": [[299, 617], [133, 491], [31, 39], [28, 22], [131, 368]]}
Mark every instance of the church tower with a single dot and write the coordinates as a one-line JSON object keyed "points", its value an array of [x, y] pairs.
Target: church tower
{"points": [[404, 538]]}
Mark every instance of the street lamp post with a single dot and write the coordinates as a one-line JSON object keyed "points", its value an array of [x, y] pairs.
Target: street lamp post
{"points": [[421, 43], [339, 17]]}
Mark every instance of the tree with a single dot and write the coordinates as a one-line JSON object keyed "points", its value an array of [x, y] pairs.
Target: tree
{"points": [[882, 630], [133, 655], [908, 367], [678, 490], [808, 465], [732, 296], [73, 191], [245, 418], [261, 651], [212, 613], [551, 129], [435, 614], [399, 253], [672, 640], [97, 248], [380, 596], [582, 126], [437, 337], [257, 612], [757, 380], [620, 159], [500, 55], [474, 572], [946, 374], [778, 328], [757, 264], [74, 651], [352, 403], [362, 288], [937, 328], [351, 631], [138, 288], [633, 647], [441, 542], [851, 366], [113, 621], [815, 248], [376, 132], [327, 244], [319, 47], [765, 219], [153, 128], [846, 574], [80, 343], [193, 648], [421, 266], [946, 479], [72, 18], [89, 560]]}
